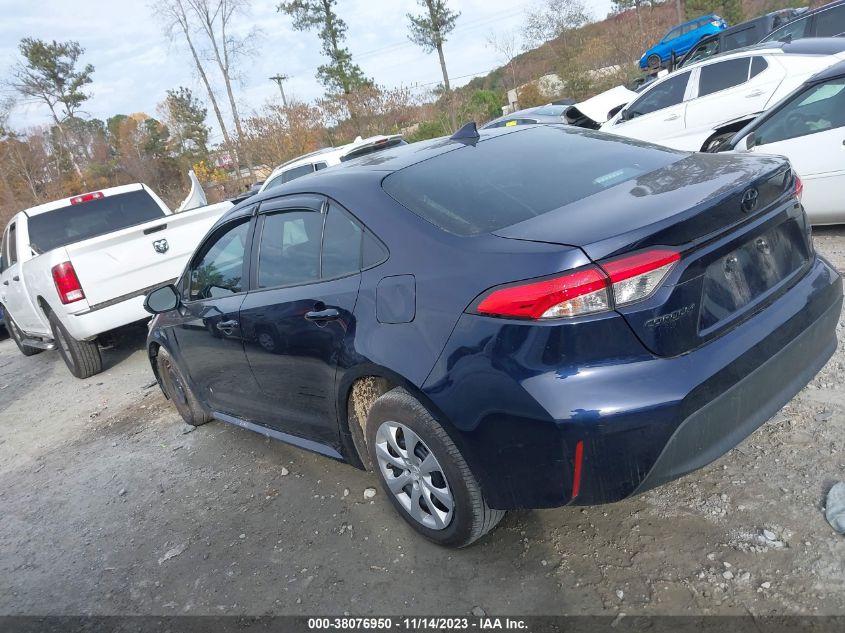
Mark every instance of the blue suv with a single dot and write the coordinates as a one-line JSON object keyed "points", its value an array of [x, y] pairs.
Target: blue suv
{"points": [[680, 40]]}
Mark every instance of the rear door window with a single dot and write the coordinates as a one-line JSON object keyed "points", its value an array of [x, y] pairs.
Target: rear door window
{"points": [[82, 221], [831, 23], [289, 252], [758, 65], [341, 244], [818, 109], [297, 172], [723, 75], [665, 94], [739, 39], [792, 31]]}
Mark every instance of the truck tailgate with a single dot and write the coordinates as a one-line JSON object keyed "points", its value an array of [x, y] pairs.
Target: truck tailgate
{"points": [[128, 261]]}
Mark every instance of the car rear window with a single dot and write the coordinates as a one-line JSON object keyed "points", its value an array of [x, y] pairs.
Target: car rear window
{"points": [[507, 179], [78, 222]]}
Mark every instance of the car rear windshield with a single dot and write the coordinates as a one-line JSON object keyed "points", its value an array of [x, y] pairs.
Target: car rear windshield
{"points": [[507, 179], [78, 222]]}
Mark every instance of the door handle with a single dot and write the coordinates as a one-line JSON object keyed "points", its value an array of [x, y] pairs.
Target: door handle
{"points": [[755, 93], [6, 283], [227, 326], [16, 278], [329, 314], [673, 117]]}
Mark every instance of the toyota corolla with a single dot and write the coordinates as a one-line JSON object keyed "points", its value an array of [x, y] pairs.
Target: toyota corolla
{"points": [[526, 318]]}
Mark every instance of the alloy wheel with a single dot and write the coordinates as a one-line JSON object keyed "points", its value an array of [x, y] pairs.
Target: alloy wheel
{"points": [[414, 476]]}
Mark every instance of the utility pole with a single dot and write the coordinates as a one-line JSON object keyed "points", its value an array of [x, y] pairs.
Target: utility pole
{"points": [[280, 79]]}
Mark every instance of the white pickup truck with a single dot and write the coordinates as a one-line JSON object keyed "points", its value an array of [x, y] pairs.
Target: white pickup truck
{"points": [[74, 269]]}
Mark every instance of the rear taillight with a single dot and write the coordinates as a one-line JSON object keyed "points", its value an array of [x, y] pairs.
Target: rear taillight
{"points": [[67, 283], [799, 187], [86, 197], [616, 282], [635, 277]]}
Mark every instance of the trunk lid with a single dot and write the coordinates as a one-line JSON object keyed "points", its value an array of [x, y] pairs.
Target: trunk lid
{"points": [[742, 236], [127, 261]]}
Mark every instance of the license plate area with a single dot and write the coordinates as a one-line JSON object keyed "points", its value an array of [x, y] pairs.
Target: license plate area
{"points": [[748, 274]]}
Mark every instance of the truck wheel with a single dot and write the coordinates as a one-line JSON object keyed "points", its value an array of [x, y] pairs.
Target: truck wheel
{"points": [[81, 357], [17, 336], [177, 389], [424, 474]]}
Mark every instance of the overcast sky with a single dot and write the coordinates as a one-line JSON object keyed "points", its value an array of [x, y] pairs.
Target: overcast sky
{"points": [[135, 64]]}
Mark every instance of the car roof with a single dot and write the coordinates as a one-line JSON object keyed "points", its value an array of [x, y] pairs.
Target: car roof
{"points": [[532, 113], [709, 16], [804, 46], [330, 152]]}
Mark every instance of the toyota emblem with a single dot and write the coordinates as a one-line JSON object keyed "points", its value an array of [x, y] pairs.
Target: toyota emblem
{"points": [[749, 200]]}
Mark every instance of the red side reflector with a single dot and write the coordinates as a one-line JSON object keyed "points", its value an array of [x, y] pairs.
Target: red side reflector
{"points": [[576, 474], [67, 283], [86, 197]]}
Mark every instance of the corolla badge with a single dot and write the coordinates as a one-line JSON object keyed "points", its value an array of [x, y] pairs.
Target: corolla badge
{"points": [[749, 200], [161, 246]]}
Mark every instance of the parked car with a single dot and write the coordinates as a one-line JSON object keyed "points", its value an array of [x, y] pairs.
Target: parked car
{"points": [[74, 269], [738, 36], [826, 21], [808, 127], [549, 113], [528, 317], [327, 157], [702, 105], [680, 39]]}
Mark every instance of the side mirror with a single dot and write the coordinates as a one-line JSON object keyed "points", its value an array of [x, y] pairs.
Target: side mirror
{"points": [[162, 299], [623, 116], [750, 141]]}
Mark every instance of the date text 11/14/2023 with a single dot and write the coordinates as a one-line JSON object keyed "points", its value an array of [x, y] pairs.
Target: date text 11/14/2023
{"points": [[418, 623]]}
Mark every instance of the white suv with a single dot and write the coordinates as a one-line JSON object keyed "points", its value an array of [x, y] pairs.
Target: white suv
{"points": [[327, 157], [705, 103]]}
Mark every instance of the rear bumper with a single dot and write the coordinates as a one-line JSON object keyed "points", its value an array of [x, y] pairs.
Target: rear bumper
{"points": [[643, 420], [87, 325]]}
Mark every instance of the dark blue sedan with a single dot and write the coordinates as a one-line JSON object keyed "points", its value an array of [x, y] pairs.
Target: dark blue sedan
{"points": [[536, 317]]}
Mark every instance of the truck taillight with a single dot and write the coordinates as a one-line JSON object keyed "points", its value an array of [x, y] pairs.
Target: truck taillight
{"points": [[86, 197], [616, 282], [799, 187], [67, 283]]}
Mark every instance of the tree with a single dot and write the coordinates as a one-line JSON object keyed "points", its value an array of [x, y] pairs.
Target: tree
{"points": [[625, 5], [505, 44], [553, 19], [176, 21], [340, 74], [731, 10], [430, 29], [185, 117], [215, 18], [49, 74]]}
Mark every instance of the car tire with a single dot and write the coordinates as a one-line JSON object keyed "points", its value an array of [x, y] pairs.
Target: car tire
{"points": [[81, 357], [178, 391], [397, 419], [654, 62], [17, 336]]}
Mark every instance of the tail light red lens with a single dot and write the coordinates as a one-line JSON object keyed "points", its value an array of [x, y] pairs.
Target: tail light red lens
{"points": [[86, 197], [635, 277], [581, 292], [67, 283], [799, 187], [617, 282]]}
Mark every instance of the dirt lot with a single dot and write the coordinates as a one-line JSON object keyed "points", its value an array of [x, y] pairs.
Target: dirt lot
{"points": [[109, 505]]}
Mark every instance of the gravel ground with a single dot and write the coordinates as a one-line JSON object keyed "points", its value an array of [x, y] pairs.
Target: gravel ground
{"points": [[109, 505]]}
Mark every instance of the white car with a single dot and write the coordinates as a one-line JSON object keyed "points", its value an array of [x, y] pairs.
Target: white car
{"points": [[707, 102], [74, 269], [808, 127], [328, 157]]}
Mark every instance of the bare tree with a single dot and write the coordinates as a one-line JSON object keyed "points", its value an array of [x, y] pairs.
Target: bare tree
{"points": [[553, 19], [175, 17], [215, 19], [506, 45]]}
